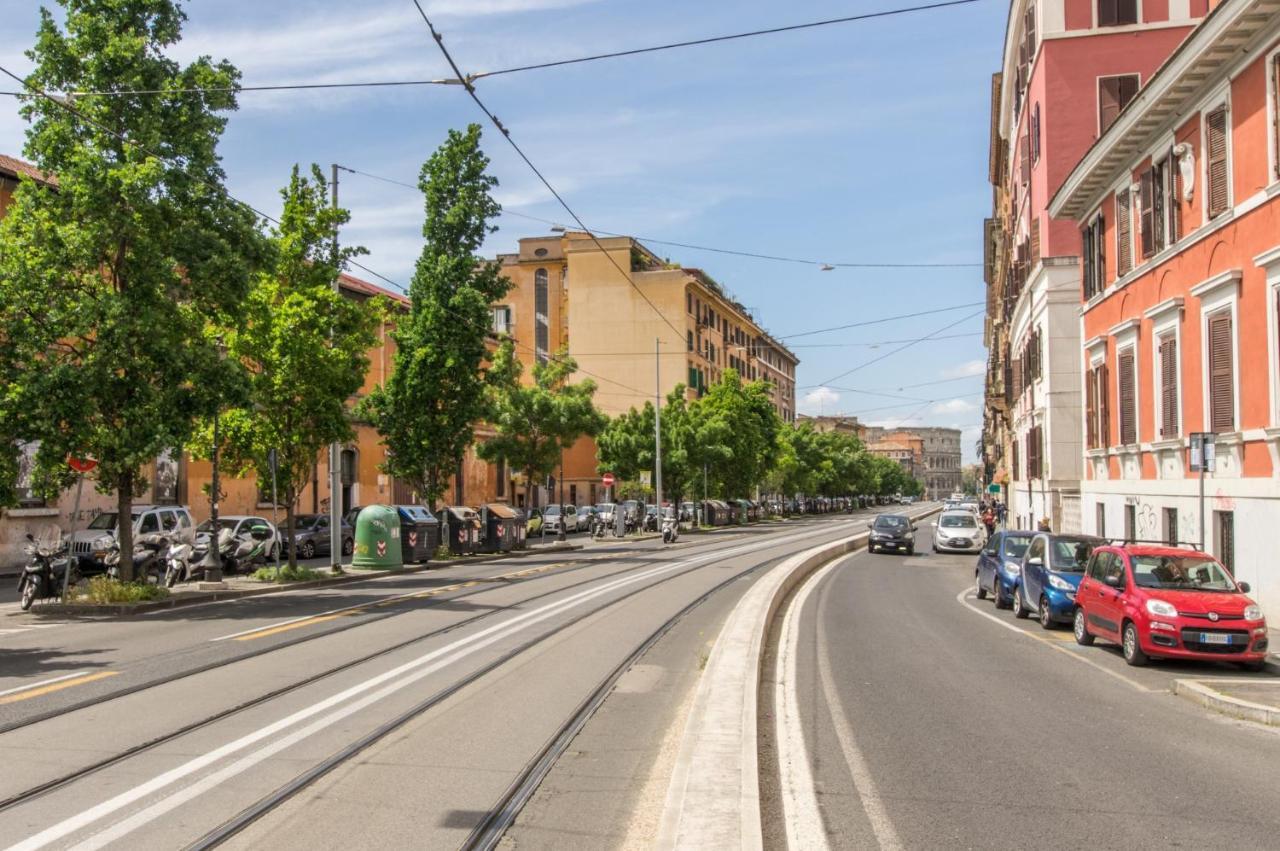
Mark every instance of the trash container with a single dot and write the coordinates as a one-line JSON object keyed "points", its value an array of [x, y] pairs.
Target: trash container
{"points": [[419, 533], [499, 523], [462, 525], [378, 539]]}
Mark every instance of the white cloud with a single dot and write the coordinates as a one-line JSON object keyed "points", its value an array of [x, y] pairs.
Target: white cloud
{"points": [[965, 370], [820, 401], [953, 406]]}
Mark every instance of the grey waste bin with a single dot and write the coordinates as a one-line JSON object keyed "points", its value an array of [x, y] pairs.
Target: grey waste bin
{"points": [[462, 525], [498, 524], [419, 533]]}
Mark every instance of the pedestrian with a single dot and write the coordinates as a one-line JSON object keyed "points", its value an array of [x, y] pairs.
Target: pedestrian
{"points": [[1044, 525], [1001, 511], [989, 520]]}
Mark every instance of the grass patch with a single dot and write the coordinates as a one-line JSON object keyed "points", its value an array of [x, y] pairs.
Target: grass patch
{"points": [[104, 590], [287, 574]]}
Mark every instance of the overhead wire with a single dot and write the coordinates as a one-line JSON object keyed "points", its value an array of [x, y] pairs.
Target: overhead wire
{"points": [[882, 320], [901, 348]]}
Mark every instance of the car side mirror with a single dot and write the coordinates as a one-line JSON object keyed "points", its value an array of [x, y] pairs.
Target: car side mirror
{"points": [[1245, 587], [934, 525], [915, 528], [1036, 561]]}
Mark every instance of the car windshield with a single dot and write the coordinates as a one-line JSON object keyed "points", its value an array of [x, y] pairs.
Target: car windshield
{"points": [[1070, 554], [604, 507], [223, 523], [961, 520], [551, 509], [1016, 547], [305, 521], [105, 520], [1185, 573], [891, 521]]}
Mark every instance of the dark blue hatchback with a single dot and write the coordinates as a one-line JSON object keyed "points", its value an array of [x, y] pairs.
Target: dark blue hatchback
{"points": [[999, 570]]}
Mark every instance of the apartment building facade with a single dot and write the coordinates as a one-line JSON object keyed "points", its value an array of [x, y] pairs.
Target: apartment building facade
{"points": [[1069, 68], [1178, 206]]}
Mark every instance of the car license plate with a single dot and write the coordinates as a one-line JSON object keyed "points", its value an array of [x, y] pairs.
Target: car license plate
{"points": [[1214, 638]]}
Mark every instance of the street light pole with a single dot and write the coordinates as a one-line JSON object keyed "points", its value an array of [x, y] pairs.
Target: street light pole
{"points": [[335, 451], [561, 534], [211, 564], [657, 426]]}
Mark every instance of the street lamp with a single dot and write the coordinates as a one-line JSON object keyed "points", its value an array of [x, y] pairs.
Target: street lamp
{"points": [[560, 535], [211, 564]]}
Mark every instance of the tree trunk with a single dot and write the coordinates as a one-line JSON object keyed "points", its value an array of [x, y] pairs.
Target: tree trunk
{"points": [[528, 487], [124, 522], [290, 511]]}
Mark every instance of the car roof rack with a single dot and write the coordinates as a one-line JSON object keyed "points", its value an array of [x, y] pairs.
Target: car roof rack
{"points": [[1188, 544]]}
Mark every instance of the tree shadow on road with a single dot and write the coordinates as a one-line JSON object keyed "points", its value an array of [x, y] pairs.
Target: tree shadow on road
{"points": [[24, 662]]}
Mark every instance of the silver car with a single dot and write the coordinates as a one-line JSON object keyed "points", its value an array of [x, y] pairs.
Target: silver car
{"points": [[92, 543], [958, 531], [551, 518]]}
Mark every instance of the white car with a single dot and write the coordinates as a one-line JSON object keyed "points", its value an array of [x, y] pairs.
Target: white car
{"points": [[551, 518], [958, 531]]}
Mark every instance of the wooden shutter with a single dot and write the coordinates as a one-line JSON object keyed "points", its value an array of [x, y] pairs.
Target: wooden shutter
{"points": [[1275, 110], [1015, 460], [1145, 202], [1158, 203], [1086, 246], [1108, 97], [1108, 13], [1222, 407], [1100, 245], [1035, 240], [1169, 386], [1124, 235], [1031, 32], [1090, 410], [1128, 400], [1017, 378], [1215, 128], [1174, 180], [1104, 405], [1024, 152], [1126, 11]]}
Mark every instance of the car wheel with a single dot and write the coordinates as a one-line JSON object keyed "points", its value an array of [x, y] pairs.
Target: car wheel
{"points": [[978, 590], [348, 546], [997, 593], [1046, 616], [911, 550], [29, 592], [1256, 666], [308, 549], [1020, 610], [1081, 629], [1132, 649]]}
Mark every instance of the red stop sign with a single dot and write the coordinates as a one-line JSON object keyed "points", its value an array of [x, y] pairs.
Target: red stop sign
{"points": [[607, 479], [81, 465]]}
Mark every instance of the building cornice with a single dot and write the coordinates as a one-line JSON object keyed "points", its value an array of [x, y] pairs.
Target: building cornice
{"points": [[1217, 284], [1167, 306], [1267, 259], [1125, 327]]}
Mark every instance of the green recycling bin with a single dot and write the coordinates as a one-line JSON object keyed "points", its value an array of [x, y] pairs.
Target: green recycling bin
{"points": [[378, 539]]}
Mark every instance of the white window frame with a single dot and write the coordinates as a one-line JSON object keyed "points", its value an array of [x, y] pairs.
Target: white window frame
{"points": [[1269, 262], [1221, 96], [1269, 69], [1093, 11], [1097, 81], [1221, 292], [1126, 337], [1165, 317]]}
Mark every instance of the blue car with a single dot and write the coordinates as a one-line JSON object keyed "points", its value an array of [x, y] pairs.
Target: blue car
{"points": [[999, 570], [1052, 568]]}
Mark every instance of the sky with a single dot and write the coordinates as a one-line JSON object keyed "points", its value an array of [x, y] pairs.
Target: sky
{"points": [[863, 142]]}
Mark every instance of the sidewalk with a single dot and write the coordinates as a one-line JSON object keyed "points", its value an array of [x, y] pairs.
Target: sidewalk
{"points": [[1250, 699]]}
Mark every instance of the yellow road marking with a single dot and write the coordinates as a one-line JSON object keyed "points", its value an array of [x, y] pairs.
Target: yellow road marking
{"points": [[43, 690], [295, 625]]}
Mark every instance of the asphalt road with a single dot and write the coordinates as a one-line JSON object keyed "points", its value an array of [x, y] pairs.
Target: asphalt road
{"points": [[482, 663], [931, 720]]}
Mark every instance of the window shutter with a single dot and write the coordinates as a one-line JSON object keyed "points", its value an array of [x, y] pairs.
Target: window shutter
{"points": [[1145, 212], [1158, 203], [1035, 133], [1128, 424], [1031, 32], [1222, 414], [1099, 240], [1017, 378], [1090, 409], [1124, 238], [1104, 405], [1108, 13], [1175, 199], [1086, 244], [1169, 386], [1216, 154], [1035, 240], [1126, 11], [1108, 99], [1275, 111], [1024, 152]]}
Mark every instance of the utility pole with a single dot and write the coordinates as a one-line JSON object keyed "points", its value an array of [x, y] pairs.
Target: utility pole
{"points": [[335, 451], [657, 426]]}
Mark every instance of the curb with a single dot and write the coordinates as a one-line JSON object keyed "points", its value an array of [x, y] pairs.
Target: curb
{"points": [[1196, 692], [713, 799], [202, 598]]}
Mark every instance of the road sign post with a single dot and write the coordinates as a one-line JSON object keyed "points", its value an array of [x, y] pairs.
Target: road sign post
{"points": [[607, 481], [81, 466], [1203, 455], [273, 461]]}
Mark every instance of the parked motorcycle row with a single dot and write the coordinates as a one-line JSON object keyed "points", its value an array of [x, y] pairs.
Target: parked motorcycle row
{"points": [[159, 558]]}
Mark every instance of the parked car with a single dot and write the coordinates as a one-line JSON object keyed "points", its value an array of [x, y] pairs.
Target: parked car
{"points": [[958, 531], [92, 543], [604, 513], [892, 532], [999, 570], [688, 512], [632, 512], [551, 518], [1157, 601], [1051, 572], [533, 521], [240, 524], [311, 532]]}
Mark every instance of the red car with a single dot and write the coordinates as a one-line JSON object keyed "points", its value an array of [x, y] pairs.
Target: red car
{"points": [[1170, 602]]}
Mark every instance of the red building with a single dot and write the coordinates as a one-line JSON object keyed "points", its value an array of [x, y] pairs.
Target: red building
{"points": [[1178, 208]]}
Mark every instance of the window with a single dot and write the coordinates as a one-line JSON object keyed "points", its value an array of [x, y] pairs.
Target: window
{"points": [[24, 485], [500, 477], [150, 523], [502, 319], [1035, 133], [1168, 353], [1095, 257], [1097, 407], [1130, 522], [1126, 385], [688, 302], [1114, 13], [1024, 158], [541, 329], [1124, 234], [1226, 535], [1171, 526], [1217, 173], [690, 333], [1275, 114], [1114, 94], [1221, 373], [1146, 213], [1100, 520]]}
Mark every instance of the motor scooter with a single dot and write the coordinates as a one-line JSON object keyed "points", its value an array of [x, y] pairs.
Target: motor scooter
{"points": [[43, 575], [670, 528], [149, 552]]}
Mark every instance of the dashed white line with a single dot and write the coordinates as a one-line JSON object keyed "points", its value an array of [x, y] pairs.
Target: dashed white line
{"points": [[29, 686]]}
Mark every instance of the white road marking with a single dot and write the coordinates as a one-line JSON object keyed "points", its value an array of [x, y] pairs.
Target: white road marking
{"points": [[798, 789], [963, 599], [389, 683], [863, 782], [30, 686]]}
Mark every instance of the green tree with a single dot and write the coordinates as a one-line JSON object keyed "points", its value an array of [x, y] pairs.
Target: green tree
{"points": [[625, 447], [750, 438], [426, 412], [304, 346], [534, 423], [111, 285]]}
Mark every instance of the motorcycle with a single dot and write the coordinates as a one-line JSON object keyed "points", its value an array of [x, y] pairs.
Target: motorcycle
{"points": [[43, 576], [149, 553], [670, 528], [236, 551], [179, 566]]}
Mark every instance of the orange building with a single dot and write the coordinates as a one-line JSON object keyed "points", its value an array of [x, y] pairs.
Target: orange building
{"points": [[1179, 208]]}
